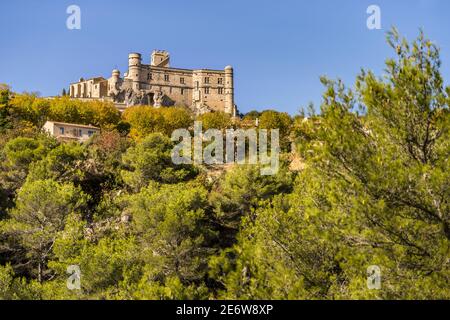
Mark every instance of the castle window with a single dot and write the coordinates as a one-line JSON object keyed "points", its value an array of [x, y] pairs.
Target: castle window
{"points": [[206, 79], [182, 80], [220, 90], [220, 81], [166, 77], [196, 84], [182, 90], [149, 76], [206, 90], [61, 130]]}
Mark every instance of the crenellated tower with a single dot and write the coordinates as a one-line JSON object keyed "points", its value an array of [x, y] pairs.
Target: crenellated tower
{"points": [[229, 90], [134, 70], [160, 58]]}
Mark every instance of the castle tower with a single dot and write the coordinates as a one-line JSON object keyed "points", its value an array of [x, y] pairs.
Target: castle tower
{"points": [[115, 76], [229, 90], [116, 73], [160, 58], [114, 82], [134, 69]]}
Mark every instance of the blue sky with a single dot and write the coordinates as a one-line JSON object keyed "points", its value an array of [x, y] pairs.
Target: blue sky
{"points": [[278, 49]]}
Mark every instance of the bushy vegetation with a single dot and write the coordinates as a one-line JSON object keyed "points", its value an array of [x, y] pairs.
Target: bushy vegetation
{"points": [[374, 190]]}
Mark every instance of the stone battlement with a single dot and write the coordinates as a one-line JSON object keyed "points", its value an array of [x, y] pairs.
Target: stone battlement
{"points": [[157, 84]]}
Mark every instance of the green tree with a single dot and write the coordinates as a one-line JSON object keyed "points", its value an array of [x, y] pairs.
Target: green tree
{"points": [[40, 213], [172, 224], [94, 166], [271, 119], [145, 120], [5, 94], [15, 159], [252, 115], [64, 163], [372, 193], [241, 191], [30, 108], [175, 118], [215, 120], [21, 152], [16, 288], [150, 160], [97, 113]]}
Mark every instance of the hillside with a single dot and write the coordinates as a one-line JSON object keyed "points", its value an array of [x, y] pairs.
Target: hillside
{"points": [[361, 192]]}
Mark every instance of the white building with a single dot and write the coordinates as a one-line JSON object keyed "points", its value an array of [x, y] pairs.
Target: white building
{"points": [[70, 131]]}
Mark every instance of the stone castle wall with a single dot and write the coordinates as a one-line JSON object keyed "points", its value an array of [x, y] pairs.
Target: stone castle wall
{"points": [[158, 84]]}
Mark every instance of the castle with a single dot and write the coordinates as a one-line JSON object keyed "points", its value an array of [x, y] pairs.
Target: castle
{"points": [[158, 84]]}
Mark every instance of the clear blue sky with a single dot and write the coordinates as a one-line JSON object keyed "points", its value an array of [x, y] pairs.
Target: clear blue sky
{"points": [[279, 49]]}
